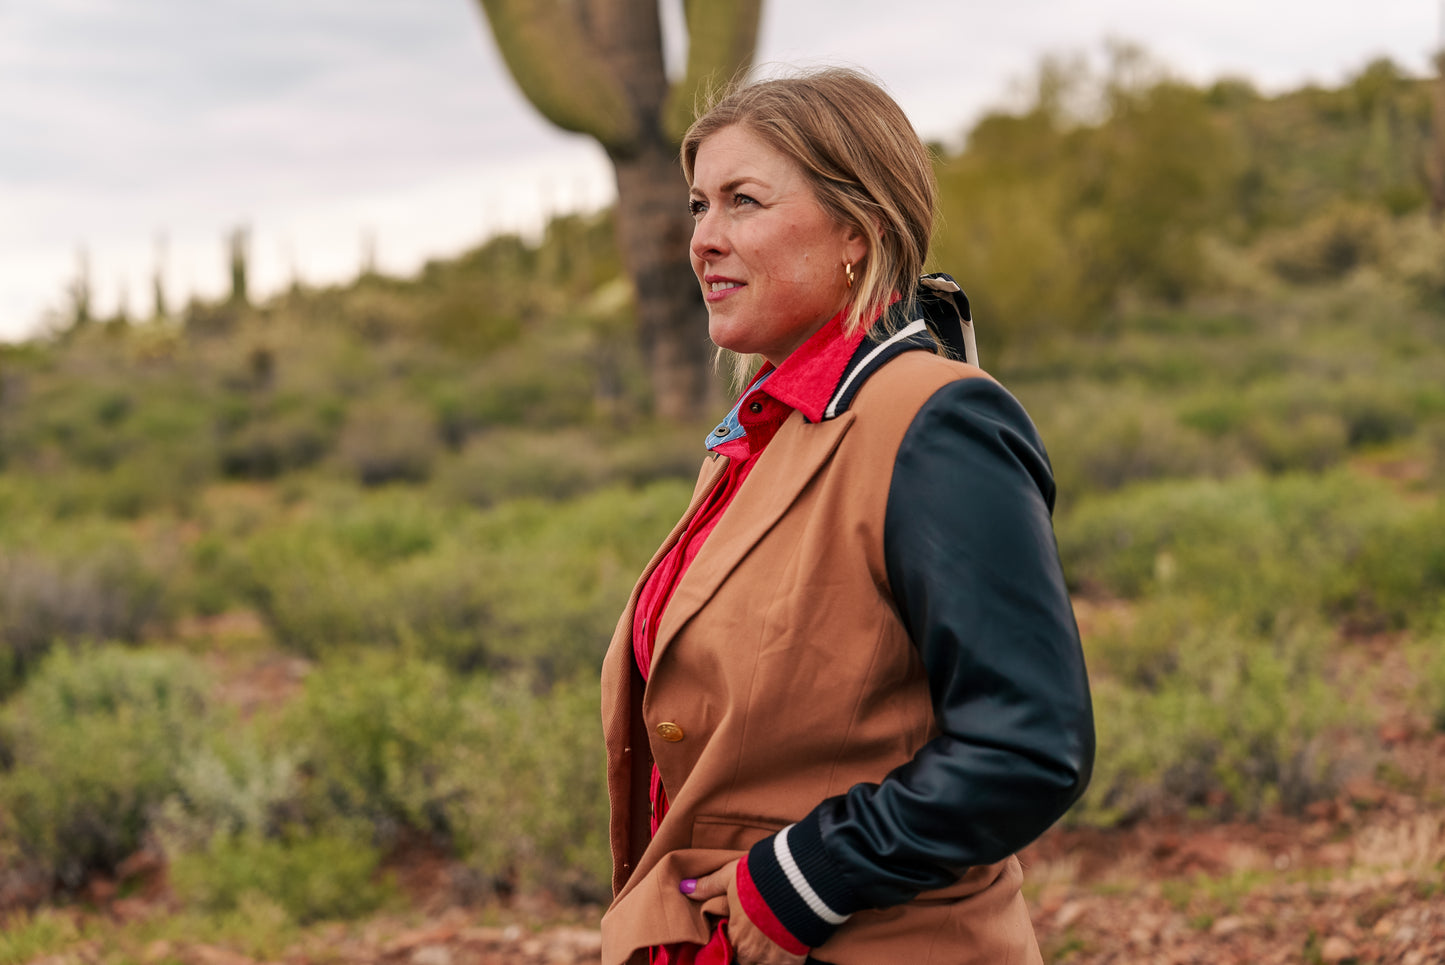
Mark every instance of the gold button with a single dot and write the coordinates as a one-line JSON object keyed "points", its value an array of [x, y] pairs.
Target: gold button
{"points": [[669, 732]]}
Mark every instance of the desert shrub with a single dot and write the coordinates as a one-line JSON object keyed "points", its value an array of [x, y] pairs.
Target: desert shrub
{"points": [[534, 811], [524, 385], [526, 584], [1376, 413], [1254, 548], [506, 772], [79, 421], [89, 590], [379, 528], [213, 579], [313, 597], [1312, 442], [311, 878], [378, 735], [658, 454], [1329, 246], [1106, 446], [1139, 647], [562, 464], [317, 594], [1217, 415], [154, 479], [465, 319], [94, 740], [388, 441], [558, 575], [232, 786], [265, 447], [506, 465], [1237, 725], [1397, 577], [1417, 257]]}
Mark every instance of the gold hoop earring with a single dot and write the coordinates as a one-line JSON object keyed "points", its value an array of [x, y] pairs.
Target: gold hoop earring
{"points": [[848, 270]]}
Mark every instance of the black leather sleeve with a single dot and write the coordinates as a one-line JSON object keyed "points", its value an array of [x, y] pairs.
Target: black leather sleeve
{"points": [[975, 573]]}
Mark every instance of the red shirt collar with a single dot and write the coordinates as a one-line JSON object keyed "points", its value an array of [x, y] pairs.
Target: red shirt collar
{"points": [[806, 379]]}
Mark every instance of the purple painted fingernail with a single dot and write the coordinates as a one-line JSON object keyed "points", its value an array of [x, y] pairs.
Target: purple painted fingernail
{"points": [[687, 885]]}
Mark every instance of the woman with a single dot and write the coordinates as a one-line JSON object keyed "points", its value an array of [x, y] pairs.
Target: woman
{"points": [[848, 687]]}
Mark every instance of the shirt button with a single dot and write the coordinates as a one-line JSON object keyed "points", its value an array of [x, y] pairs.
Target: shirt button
{"points": [[755, 408], [669, 732], [720, 431]]}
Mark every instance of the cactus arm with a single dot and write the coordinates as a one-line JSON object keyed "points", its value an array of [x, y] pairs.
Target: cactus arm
{"points": [[559, 70], [721, 37]]}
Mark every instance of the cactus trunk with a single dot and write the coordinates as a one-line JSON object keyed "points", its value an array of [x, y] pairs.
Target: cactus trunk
{"points": [[653, 230]]}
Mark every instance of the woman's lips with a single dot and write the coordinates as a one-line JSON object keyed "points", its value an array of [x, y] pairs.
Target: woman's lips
{"points": [[716, 289]]}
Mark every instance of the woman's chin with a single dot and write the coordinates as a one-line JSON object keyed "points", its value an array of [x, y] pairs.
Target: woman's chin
{"points": [[727, 337]]}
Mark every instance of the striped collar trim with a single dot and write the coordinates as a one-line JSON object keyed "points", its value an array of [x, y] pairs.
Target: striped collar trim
{"points": [[870, 356]]}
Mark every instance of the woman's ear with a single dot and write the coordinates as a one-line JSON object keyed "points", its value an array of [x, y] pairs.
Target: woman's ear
{"points": [[855, 246]]}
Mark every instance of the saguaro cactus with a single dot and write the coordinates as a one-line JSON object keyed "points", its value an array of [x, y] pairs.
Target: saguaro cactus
{"points": [[236, 245], [1435, 160], [596, 67]]}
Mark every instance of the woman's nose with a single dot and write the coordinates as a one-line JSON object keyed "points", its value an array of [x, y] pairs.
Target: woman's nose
{"points": [[708, 237]]}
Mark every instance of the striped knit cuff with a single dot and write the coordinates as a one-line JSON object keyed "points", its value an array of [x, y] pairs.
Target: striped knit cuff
{"points": [[762, 916], [796, 879]]}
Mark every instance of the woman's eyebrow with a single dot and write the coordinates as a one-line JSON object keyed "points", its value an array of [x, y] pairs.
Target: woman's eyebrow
{"points": [[730, 186]]}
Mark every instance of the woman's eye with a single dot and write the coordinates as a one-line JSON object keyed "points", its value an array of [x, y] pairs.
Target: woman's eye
{"points": [[696, 207], [742, 199]]}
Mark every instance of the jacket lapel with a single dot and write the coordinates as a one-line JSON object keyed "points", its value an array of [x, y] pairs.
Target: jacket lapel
{"points": [[618, 661], [785, 468]]}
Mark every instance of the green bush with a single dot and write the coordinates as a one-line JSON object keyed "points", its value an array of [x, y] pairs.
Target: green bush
{"points": [[1330, 245], [527, 584], [1236, 725], [1312, 443], [266, 447], [1397, 576], [386, 528], [534, 811], [662, 454], [558, 465], [311, 878], [508, 774], [504, 465], [1376, 413], [94, 589], [1121, 444], [557, 576], [524, 386], [318, 595], [1250, 548], [232, 786], [386, 441], [213, 579], [94, 741], [378, 736]]}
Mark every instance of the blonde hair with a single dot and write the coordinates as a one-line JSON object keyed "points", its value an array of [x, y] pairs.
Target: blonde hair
{"points": [[866, 164]]}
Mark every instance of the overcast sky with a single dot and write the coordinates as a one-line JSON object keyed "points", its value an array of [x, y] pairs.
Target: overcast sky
{"points": [[321, 122]]}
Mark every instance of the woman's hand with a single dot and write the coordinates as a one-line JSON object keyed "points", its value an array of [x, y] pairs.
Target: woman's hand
{"points": [[750, 945]]}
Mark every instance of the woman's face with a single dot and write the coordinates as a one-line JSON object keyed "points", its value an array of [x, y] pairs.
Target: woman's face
{"points": [[769, 259]]}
